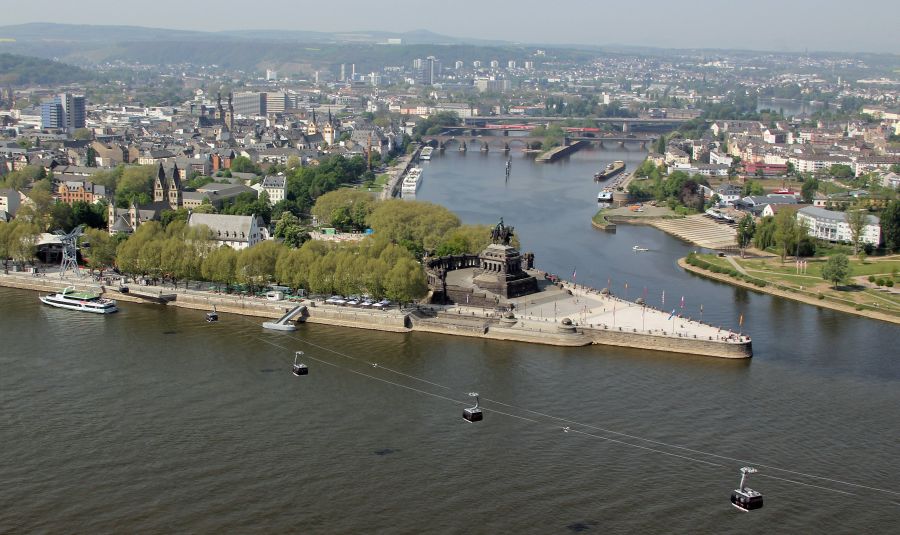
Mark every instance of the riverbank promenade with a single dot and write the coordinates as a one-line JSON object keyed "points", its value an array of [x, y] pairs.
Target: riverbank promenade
{"points": [[563, 314]]}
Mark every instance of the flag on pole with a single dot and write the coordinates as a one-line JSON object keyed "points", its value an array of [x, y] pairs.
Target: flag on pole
{"points": [[626, 285], [741, 321], [682, 301], [701, 308], [574, 271], [672, 315]]}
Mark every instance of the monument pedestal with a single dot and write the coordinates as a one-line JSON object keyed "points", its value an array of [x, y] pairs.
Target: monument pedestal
{"points": [[500, 272]]}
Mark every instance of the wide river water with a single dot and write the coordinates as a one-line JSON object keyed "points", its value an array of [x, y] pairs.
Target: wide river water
{"points": [[152, 421]]}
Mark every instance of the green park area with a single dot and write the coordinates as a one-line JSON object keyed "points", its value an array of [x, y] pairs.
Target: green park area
{"points": [[871, 285]]}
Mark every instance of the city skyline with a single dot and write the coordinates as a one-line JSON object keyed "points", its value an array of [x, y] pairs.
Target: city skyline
{"points": [[769, 26]]}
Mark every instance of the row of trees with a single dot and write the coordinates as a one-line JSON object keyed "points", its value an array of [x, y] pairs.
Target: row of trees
{"points": [[177, 252]]}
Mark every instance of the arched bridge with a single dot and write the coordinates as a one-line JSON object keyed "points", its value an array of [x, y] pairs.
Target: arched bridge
{"points": [[486, 143]]}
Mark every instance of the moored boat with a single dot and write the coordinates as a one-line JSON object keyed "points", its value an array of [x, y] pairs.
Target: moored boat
{"points": [[611, 170], [412, 181], [83, 301]]}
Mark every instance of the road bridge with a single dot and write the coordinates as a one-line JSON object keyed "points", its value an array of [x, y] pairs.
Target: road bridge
{"points": [[464, 141], [625, 123]]}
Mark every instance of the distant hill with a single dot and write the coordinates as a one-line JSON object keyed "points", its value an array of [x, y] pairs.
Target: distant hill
{"points": [[24, 70], [38, 33], [289, 51]]}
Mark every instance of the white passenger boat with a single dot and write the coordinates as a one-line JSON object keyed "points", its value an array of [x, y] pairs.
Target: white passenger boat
{"points": [[84, 301], [412, 181], [426, 153], [605, 196]]}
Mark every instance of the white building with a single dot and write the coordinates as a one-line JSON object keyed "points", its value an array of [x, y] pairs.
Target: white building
{"points": [[275, 186], [236, 231], [832, 226]]}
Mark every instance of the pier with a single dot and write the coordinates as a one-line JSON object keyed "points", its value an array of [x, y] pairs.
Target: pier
{"points": [[555, 153]]}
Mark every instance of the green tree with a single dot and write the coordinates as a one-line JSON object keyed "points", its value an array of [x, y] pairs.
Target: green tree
{"points": [[7, 232], [418, 226], [344, 208], [242, 164], [752, 187], [23, 242], [809, 189], [857, 220], [836, 269], [890, 225], [786, 231], [82, 134], [135, 185], [745, 231], [840, 170], [220, 266], [764, 237], [101, 253], [256, 265]]}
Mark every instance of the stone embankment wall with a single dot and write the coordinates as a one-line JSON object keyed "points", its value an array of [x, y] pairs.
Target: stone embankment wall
{"points": [[671, 344], [53, 284], [398, 321]]}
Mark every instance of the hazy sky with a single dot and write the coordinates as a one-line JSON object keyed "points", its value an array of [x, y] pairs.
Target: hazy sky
{"points": [[791, 25]]}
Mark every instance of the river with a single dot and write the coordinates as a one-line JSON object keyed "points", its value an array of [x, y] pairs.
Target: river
{"points": [[151, 420]]}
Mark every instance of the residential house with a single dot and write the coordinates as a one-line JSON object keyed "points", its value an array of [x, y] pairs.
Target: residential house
{"points": [[71, 191], [275, 186]]}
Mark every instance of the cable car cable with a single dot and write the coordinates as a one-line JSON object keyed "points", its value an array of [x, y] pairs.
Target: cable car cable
{"points": [[590, 426]]}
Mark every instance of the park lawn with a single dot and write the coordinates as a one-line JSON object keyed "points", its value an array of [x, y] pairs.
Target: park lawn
{"points": [[382, 179], [785, 277], [814, 266]]}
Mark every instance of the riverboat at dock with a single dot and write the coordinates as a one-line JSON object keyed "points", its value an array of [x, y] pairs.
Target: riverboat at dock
{"points": [[83, 301], [611, 170]]}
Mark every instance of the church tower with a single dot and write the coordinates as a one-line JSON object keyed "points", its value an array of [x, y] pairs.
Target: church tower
{"points": [[229, 115], [220, 111], [311, 127], [173, 185], [159, 185], [328, 130]]}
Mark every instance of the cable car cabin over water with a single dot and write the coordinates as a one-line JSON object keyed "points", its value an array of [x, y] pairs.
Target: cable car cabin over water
{"points": [[745, 498], [299, 368], [473, 414]]}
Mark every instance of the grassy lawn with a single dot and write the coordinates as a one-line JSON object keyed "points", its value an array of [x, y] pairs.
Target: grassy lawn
{"points": [[785, 277], [382, 179], [600, 219]]}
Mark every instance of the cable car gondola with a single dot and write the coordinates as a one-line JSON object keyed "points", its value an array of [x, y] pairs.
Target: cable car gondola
{"points": [[745, 498], [473, 414], [299, 368]]}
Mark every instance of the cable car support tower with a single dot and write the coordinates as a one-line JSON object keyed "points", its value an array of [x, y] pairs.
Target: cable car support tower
{"points": [[69, 243]]}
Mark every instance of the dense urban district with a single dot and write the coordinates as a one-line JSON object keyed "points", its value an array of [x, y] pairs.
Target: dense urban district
{"points": [[279, 163]]}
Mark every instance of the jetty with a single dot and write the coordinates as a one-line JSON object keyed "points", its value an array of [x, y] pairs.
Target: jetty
{"points": [[284, 323], [558, 152]]}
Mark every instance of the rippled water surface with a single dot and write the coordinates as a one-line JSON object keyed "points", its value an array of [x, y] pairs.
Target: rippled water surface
{"points": [[152, 421]]}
